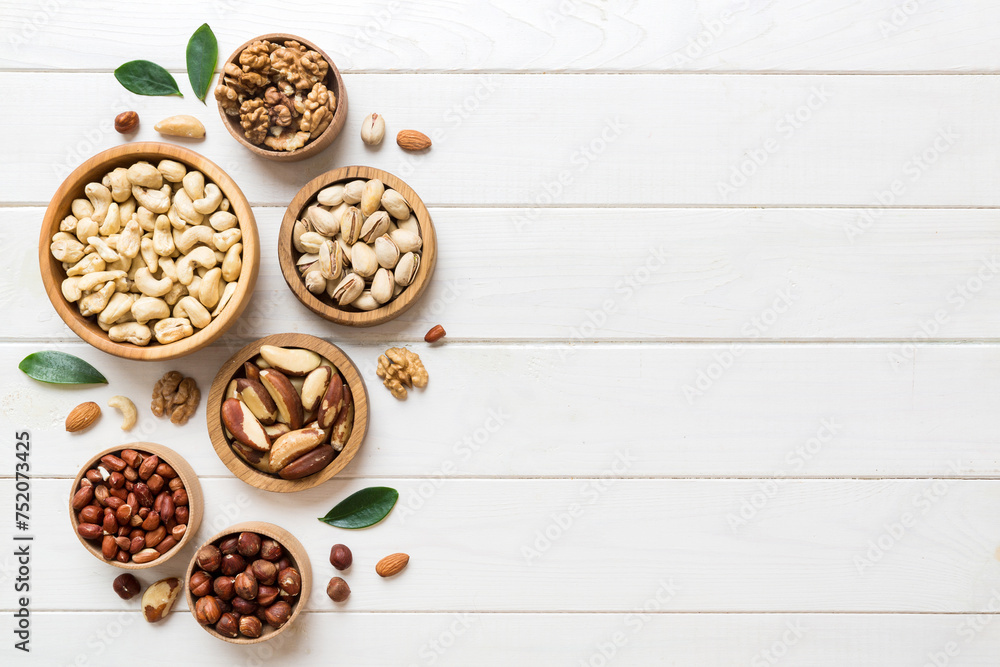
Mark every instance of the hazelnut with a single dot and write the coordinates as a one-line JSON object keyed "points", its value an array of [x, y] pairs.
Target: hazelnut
{"points": [[277, 614], [264, 571], [233, 564], [338, 590], [282, 563], [289, 581], [267, 594], [270, 550], [243, 607], [127, 122], [225, 587], [248, 544], [208, 557], [126, 586], [200, 584], [206, 610], [228, 625], [341, 557], [246, 586], [250, 626], [228, 545]]}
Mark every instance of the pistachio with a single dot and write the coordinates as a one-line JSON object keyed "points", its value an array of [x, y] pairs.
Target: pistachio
{"points": [[371, 196], [322, 221], [375, 226], [315, 282], [366, 301], [363, 260], [406, 241], [349, 289], [396, 205], [352, 192], [406, 269], [382, 285], [331, 196], [373, 129], [350, 225], [311, 241], [386, 252]]}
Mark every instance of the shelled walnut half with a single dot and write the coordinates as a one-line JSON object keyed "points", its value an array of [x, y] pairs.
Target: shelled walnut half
{"points": [[177, 396], [401, 368]]}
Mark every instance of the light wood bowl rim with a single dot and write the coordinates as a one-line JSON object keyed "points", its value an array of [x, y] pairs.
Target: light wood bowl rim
{"points": [[313, 147], [300, 559], [396, 307], [196, 500], [262, 480], [53, 273]]}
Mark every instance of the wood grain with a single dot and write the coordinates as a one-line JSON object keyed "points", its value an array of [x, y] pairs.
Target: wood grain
{"points": [[261, 480], [196, 500], [601, 140], [334, 83], [288, 256], [53, 273], [300, 561]]}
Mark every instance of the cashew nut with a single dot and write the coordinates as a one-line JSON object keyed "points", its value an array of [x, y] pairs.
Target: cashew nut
{"points": [[107, 253], [223, 241], [175, 294], [126, 209], [85, 228], [227, 294], [210, 202], [194, 184], [145, 175], [192, 236], [172, 329], [130, 239], [146, 218], [124, 405], [153, 199], [169, 268], [95, 302], [112, 220], [149, 285], [81, 208], [100, 199], [232, 264], [163, 239], [222, 220], [210, 288], [193, 310], [92, 280], [67, 250], [130, 332], [172, 170], [91, 262], [186, 209], [148, 308], [121, 187], [118, 306], [200, 256], [149, 255], [71, 288], [68, 224]]}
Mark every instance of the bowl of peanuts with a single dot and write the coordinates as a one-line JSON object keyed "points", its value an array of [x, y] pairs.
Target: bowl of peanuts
{"points": [[149, 251]]}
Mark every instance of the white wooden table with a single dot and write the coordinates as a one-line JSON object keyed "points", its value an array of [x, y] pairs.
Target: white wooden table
{"points": [[719, 278]]}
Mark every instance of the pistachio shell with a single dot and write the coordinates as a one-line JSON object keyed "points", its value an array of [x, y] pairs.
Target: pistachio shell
{"points": [[395, 204], [349, 289], [386, 252], [363, 260], [331, 196], [350, 225], [382, 285], [375, 226]]}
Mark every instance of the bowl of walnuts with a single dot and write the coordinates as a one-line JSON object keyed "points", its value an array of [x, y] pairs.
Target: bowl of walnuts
{"points": [[282, 97]]}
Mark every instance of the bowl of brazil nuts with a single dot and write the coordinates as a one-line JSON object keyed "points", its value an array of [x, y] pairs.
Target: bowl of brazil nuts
{"points": [[136, 506], [248, 583], [357, 246], [149, 251], [287, 412]]}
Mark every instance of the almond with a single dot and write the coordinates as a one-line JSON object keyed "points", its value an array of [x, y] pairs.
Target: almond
{"points": [[411, 140], [82, 416], [391, 565]]}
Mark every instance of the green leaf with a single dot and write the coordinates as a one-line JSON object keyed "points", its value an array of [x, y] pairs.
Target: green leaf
{"points": [[145, 78], [202, 56], [60, 368], [362, 509]]}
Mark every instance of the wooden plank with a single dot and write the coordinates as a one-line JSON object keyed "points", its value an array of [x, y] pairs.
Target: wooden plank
{"points": [[544, 545], [551, 410], [808, 640], [681, 274], [881, 35], [602, 140]]}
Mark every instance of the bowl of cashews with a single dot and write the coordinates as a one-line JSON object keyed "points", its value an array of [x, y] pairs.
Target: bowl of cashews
{"points": [[149, 251]]}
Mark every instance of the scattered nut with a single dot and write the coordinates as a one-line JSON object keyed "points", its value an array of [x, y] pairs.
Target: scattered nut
{"points": [[126, 586], [181, 126], [401, 368], [435, 334], [82, 416], [127, 122], [392, 564], [341, 557], [411, 140], [338, 590], [159, 598], [373, 129], [177, 395], [125, 405]]}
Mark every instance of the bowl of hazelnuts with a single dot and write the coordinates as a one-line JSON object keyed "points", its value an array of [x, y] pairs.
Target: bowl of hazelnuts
{"points": [[248, 583], [282, 97]]}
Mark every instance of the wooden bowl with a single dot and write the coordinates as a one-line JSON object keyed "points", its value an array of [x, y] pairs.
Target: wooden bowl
{"points": [[196, 500], [333, 82], [300, 560], [262, 480], [94, 169], [287, 255]]}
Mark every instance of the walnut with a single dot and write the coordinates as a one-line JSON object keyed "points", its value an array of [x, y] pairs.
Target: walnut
{"points": [[401, 368], [255, 120], [257, 57], [319, 105], [300, 66], [287, 139], [228, 99], [281, 108], [241, 81], [177, 395]]}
